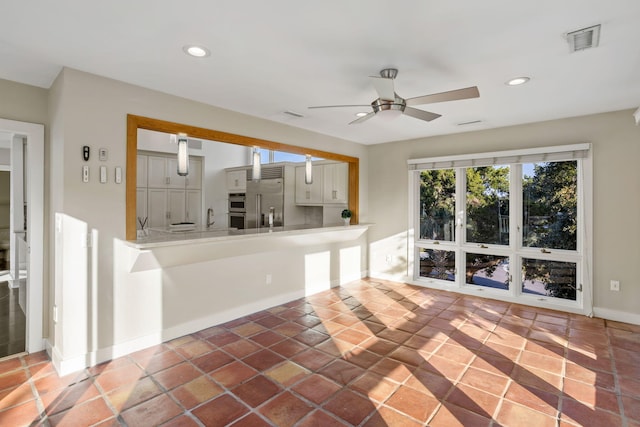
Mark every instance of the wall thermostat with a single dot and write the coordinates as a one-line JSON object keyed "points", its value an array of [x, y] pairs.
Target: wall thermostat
{"points": [[85, 153], [102, 154]]}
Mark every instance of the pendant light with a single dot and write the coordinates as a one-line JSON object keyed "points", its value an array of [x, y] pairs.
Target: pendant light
{"points": [[257, 166], [308, 171], [183, 155]]}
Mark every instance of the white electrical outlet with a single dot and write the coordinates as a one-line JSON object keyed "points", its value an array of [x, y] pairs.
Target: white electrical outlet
{"points": [[615, 285], [118, 175]]}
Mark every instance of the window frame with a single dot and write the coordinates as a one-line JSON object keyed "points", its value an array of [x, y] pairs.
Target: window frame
{"points": [[515, 250]]}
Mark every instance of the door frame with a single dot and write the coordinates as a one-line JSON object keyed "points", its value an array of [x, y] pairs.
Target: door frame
{"points": [[34, 134]]}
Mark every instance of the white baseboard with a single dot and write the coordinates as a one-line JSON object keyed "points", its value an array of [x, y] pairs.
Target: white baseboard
{"points": [[617, 315], [73, 364]]}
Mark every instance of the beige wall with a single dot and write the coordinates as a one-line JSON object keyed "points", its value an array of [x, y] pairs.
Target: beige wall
{"points": [[616, 178], [22, 102]]}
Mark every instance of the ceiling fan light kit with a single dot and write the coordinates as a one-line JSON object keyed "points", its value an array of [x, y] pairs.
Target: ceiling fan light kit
{"points": [[389, 103]]}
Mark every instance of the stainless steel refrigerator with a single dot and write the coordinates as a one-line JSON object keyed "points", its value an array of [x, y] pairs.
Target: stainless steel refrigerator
{"points": [[265, 201]]}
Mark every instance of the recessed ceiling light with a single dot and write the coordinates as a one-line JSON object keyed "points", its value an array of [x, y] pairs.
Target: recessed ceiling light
{"points": [[196, 51], [361, 114], [518, 81]]}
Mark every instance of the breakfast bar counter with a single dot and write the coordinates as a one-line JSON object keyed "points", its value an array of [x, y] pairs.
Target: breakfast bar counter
{"points": [[169, 249]]}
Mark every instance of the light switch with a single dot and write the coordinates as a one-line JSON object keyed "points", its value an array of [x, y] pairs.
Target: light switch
{"points": [[85, 174], [102, 154], [118, 175], [103, 174]]}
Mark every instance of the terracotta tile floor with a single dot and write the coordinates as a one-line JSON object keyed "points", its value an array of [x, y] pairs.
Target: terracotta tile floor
{"points": [[371, 353]]}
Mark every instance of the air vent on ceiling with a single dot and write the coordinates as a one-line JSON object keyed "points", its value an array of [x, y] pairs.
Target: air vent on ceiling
{"points": [[584, 38], [474, 122], [293, 113]]}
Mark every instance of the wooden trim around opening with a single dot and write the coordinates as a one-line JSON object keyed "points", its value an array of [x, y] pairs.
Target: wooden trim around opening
{"points": [[138, 122]]}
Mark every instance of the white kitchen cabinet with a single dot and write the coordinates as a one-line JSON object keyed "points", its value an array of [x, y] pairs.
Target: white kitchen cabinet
{"points": [[309, 194], [141, 206], [335, 183], [141, 171], [168, 197], [157, 208], [175, 180], [170, 206], [194, 206], [193, 181], [156, 172], [162, 172], [237, 181], [176, 204]]}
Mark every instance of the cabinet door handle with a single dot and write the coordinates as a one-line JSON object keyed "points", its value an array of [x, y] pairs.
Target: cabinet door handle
{"points": [[307, 194], [334, 194], [236, 183], [168, 215], [167, 180], [186, 181]]}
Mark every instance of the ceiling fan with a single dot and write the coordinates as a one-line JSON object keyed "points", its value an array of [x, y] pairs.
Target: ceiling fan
{"points": [[388, 99]]}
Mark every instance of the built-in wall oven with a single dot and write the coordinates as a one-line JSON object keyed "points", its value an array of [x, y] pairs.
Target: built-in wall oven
{"points": [[237, 211]]}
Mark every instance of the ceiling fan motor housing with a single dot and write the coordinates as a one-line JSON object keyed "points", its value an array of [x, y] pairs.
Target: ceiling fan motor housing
{"points": [[389, 73], [379, 105]]}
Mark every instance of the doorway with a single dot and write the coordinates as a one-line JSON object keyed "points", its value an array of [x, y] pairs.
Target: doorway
{"points": [[22, 242], [12, 316]]}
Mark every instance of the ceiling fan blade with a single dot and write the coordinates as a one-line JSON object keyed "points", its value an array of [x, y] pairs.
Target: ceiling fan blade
{"points": [[384, 87], [339, 106], [420, 114], [452, 95], [363, 118]]}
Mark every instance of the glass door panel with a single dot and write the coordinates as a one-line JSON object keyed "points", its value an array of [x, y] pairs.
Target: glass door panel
{"points": [[437, 204], [550, 205], [488, 205]]}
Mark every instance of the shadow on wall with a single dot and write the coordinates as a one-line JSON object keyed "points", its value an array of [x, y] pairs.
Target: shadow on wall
{"points": [[388, 257]]}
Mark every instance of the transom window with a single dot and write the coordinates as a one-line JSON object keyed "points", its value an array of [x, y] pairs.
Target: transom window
{"points": [[514, 225]]}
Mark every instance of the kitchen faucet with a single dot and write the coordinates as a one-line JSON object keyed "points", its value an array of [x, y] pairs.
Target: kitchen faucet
{"points": [[210, 220]]}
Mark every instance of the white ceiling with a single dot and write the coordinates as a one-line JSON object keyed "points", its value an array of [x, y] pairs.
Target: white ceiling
{"points": [[271, 56]]}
